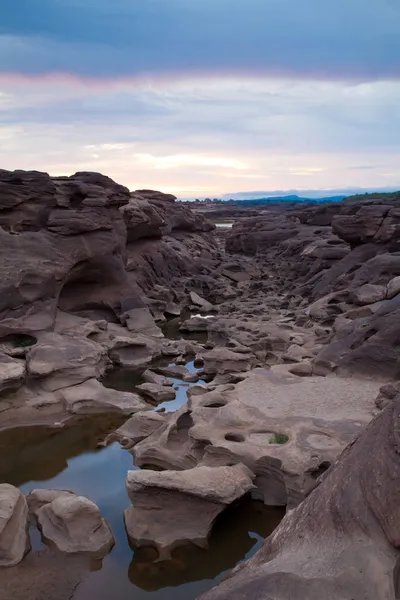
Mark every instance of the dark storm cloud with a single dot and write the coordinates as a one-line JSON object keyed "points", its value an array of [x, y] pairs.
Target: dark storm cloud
{"points": [[329, 38]]}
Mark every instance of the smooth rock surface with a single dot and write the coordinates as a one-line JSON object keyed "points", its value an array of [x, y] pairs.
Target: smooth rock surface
{"points": [[14, 536], [74, 524], [175, 497]]}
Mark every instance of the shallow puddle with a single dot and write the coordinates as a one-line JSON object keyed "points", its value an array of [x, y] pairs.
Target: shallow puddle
{"points": [[73, 458]]}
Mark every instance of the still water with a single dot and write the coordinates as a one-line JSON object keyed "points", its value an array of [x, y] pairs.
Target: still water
{"points": [[70, 458]]}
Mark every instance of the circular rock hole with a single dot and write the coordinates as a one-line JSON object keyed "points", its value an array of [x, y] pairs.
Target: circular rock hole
{"points": [[215, 404], [234, 437]]}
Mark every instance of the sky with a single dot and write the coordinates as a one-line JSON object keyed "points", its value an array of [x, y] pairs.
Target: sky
{"points": [[204, 97]]}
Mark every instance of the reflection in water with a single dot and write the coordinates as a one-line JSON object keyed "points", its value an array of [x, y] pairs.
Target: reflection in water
{"points": [[70, 458], [125, 380], [234, 536]]}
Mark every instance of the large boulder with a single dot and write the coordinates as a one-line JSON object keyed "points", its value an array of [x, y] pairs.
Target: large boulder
{"points": [[343, 540], [160, 499], [14, 537], [73, 523], [62, 360]]}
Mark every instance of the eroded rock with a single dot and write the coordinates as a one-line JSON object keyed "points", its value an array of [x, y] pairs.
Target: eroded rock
{"points": [[175, 497], [73, 523], [14, 536]]}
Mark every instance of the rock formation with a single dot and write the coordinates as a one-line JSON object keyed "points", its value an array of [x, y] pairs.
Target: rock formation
{"points": [[14, 537], [343, 540], [190, 499], [83, 269], [72, 523]]}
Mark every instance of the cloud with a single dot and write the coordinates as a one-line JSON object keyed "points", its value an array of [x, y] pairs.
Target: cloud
{"points": [[212, 135], [331, 39]]}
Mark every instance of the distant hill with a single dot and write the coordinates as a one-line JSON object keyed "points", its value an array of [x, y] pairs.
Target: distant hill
{"points": [[292, 199]]}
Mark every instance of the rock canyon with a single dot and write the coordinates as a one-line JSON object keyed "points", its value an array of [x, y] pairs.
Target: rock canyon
{"points": [[253, 364]]}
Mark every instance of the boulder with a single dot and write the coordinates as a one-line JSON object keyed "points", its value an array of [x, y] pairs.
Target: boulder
{"points": [[156, 393], [61, 360], [14, 536], [223, 360], [73, 523], [197, 300], [393, 287], [152, 377], [368, 294], [303, 369], [160, 499], [138, 427]]}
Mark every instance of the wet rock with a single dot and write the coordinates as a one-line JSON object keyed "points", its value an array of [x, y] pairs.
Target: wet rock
{"points": [[174, 497], [74, 524], [157, 393], [14, 536], [12, 372]]}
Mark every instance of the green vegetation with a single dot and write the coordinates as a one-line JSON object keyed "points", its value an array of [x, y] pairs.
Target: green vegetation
{"points": [[23, 341], [279, 438]]}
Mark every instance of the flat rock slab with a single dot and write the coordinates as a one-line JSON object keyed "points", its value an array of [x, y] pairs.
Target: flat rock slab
{"points": [[14, 537], [172, 508], [157, 393]]}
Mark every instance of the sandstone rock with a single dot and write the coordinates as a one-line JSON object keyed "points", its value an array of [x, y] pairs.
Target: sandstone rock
{"points": [[222, 360], [12, 372], [133, 352], [74, 524], [174, 371], [14, 537], [303, 369], [368, 294], [387, 394], [200, 302], [152, 377], [393, 287], [140, 320], [157, 393], [325, 548], [64, 361], [138, 427], [197, 323], [171, 496], [92, 397]]}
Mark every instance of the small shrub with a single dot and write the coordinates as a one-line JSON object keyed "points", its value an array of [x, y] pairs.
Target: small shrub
{"points": [[23, 341], [279, 438]]}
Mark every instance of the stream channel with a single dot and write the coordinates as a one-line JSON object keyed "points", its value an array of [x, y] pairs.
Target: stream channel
{"points": [[73, 458]]}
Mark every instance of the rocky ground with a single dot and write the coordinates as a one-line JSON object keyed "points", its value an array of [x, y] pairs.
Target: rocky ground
{"points": [[299, 308]]}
